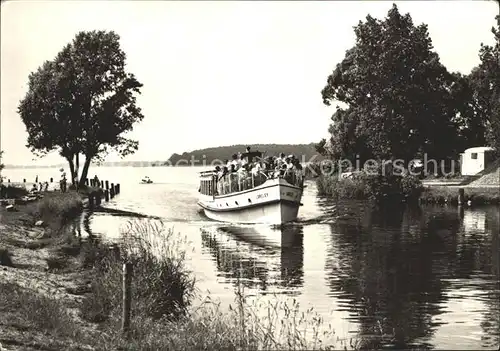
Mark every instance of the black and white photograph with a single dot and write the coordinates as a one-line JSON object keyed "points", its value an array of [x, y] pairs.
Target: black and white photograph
{"points": [[249, 175]]}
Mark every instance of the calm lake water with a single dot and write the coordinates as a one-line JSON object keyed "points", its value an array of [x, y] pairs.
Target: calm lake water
{"points": [[399, 277]]}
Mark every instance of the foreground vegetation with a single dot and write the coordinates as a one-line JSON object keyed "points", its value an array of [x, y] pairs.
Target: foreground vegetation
{"points": [[373, 187], [88, 314]]}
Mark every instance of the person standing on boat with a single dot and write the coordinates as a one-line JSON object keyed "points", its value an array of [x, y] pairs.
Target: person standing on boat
{"points": [[280, 160], [234, 161]]}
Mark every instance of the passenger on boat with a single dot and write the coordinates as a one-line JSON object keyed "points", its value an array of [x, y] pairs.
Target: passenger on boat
{"points": [[234, 161]]}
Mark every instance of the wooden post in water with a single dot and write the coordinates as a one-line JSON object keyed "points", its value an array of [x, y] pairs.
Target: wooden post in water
{"points": [[107, 185], [98, 198], [127, 282], [51, 180], [461, 196], [117, 190], [106, 195], [102, 184], [112, 191], [461, 211], [24, 180]]}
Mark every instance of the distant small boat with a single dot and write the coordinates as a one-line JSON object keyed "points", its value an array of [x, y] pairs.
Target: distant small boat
{"points": [[146, 180]]}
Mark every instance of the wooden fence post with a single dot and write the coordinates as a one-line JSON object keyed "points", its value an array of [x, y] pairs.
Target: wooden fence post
{"points": [[106, 195], [117, 188], [112, 191], [107, 185], [91, 200], [461, 196], [102, 183], [127, 282]]}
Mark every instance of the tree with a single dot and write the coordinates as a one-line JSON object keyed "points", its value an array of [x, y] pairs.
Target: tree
{"points": [[397, 93], [82, 102], [485, 82]]}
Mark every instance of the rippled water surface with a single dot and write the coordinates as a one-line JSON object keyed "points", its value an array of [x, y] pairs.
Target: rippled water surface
{"points": [[395, 277]]}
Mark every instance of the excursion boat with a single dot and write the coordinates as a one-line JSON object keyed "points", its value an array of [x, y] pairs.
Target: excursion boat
{"points": [[267, 197]]}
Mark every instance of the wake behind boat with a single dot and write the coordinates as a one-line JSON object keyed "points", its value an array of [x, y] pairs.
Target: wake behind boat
{"points": [[265, 191]]}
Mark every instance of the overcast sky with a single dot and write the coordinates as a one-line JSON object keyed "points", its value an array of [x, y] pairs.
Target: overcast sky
{"points": [[219, 73]]}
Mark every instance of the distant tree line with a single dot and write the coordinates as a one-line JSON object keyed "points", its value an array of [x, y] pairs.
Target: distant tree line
{"points": [[222, 153], [397, 101]]}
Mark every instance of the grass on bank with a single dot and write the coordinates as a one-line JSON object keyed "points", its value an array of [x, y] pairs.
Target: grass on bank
{"points": [[447, 195]]}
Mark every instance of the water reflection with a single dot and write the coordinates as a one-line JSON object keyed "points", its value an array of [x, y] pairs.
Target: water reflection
{"points": [[261, 258], [398, 271]]}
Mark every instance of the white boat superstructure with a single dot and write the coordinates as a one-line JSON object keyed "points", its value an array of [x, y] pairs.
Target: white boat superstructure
{"points": [[263, 197]]}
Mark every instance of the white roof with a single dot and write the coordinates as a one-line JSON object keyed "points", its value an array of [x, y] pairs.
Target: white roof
{"points": [[479, 149]]}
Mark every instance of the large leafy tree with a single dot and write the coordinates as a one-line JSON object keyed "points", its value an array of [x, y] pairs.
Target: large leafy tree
{"points": [[485, 82], [398, 96], [82, 102]]}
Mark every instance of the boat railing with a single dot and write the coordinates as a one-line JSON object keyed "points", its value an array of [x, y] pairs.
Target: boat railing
{"points": [[237, 181]]}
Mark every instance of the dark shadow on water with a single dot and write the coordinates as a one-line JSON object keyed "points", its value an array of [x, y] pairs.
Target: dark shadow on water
{"points": [[395, 268], [260, 258]]}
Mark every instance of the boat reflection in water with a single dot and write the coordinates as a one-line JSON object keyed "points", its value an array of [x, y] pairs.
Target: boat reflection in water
{"points": [[259, 257]]}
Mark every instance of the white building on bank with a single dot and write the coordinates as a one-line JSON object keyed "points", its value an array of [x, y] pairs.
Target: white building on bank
{"points": [[476, 159]]}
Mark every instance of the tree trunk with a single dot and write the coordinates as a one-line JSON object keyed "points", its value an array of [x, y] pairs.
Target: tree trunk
{"points": [[77, 166], [71, 168], [85, 170]]}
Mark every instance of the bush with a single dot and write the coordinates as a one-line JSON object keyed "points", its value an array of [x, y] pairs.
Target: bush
{"points": [[12, 192], [161, 285], [374, 187], [58, 207]]}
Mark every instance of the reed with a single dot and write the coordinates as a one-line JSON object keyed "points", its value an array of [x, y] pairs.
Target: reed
{"points": [[449, 195], [57, 208], [162, 286]]}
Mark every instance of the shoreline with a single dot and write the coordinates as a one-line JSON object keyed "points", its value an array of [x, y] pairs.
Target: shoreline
{"points": [[32, 275]]}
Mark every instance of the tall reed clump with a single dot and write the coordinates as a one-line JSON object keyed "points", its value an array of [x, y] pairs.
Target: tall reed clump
{"points": [[162, 287], [58, 208]]}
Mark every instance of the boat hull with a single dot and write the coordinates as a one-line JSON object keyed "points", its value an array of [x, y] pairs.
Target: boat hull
{"points": [[275, 202]]}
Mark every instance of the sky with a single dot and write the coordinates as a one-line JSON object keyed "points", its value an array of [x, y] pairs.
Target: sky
{"points": [[219, 73]]}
